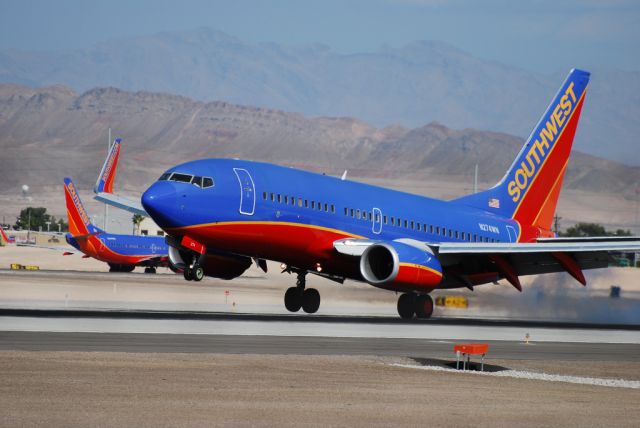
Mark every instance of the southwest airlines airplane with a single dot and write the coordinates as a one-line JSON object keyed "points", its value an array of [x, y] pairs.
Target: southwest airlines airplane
{"points": [[222, 213], [122, 252]]}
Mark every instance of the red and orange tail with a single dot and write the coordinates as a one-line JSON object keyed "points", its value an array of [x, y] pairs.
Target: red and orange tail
{"points": [[108, 173], [529, 191], [79, 222]]}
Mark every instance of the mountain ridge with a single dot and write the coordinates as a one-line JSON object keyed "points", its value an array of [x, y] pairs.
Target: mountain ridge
{"points": [[420, 82]]}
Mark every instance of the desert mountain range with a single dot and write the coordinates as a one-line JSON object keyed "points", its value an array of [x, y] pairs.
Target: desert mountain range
{"points": [[411, 85], [51, 132]]}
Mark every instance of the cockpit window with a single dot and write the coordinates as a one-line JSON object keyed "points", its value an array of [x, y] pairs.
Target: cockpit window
{"points": [[202, 182], [183, 178]]}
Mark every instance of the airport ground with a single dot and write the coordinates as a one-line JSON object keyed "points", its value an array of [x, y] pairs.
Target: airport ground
{"points": [[154, 350]]}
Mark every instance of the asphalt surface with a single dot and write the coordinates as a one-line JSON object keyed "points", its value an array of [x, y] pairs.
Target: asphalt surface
{"points": [[287, 345]]}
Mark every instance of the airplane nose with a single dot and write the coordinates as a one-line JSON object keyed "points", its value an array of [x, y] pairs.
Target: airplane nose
{"points": [[160, 202]]}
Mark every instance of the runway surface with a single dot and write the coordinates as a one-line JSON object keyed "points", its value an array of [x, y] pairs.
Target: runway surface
{"points": [[302, 345]]}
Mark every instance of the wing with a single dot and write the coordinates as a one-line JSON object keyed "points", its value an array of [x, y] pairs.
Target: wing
{"points": [[121, 202], [466, 264]]}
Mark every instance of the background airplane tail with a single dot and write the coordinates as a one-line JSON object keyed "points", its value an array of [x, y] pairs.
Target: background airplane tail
{"points": [[530, 189], [108, 173], [79, 222]]}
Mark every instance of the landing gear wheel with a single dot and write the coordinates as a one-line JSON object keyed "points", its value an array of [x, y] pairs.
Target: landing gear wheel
{"points": [[188, 274], [310, 300], [424, 306], [406, 306], [292, 299], [114, 268], [198, 273], [149, 270]]}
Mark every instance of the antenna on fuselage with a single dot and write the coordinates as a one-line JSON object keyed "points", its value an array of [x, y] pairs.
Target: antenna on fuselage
{"points": [[344, 175]]}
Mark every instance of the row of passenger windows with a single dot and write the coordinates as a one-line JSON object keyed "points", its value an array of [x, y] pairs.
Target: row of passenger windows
{"points": [[414, 225], [369, 216], [292, 200], [202, 182]]}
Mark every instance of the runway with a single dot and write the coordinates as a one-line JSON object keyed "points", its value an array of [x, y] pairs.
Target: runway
{"points": [[303, 345]]}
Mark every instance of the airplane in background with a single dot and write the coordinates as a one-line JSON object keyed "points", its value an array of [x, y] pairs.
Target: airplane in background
{"points": [[121, 252], [5, 238], [220, 214]]}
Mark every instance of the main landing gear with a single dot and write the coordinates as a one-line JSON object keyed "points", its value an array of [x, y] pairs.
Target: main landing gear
{"points": [[150, 269], [194, 272], [298, 297], [410, 304]]}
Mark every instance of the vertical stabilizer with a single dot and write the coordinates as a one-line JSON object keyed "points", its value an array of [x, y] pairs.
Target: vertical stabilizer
{"points": [[79, 222], [529, 191], [108, 173]]}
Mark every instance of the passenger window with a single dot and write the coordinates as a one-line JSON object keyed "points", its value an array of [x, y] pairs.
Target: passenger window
{"points": [[264, 195], [384, 219], [457, 235], [326, 207], [293, 200], [313, 205], [352, 212], [346, 211], [377, 218], [412, 225], [286, 199], [333, 208], [393, 223], [358, 214], [406, 224], [279, 198], [273, 197]]}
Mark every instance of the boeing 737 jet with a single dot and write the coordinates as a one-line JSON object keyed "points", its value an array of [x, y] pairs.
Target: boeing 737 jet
{"points": [[222, 213]]}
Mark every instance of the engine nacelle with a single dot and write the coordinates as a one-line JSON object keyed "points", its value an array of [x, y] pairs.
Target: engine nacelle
{"points": [[214, 265], [394, 265], [225, 267]]}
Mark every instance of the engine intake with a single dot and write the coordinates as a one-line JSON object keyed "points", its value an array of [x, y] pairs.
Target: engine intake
{"points": [[395, 265]]}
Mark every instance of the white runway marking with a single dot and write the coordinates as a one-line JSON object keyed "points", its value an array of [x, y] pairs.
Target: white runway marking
{"points": [[518, 374], [317, 329]]}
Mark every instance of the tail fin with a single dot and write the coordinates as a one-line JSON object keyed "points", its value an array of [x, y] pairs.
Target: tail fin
{"points": [[529, 191], [79, 222], [108, 173], [3, 236]]}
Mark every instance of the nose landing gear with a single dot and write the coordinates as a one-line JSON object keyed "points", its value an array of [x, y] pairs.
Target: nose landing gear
{"points": [[194, 272], [298, 297]]}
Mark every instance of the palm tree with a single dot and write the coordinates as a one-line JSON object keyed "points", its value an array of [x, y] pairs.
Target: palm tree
{"points": [[137, 219]]}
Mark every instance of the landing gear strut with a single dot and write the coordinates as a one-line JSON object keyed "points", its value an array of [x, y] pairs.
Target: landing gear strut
{"points": [[298, 297], [195, 271], [409, 305]]}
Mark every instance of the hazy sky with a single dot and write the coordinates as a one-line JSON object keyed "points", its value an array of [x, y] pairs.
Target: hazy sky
{"points": [[534, 34]]}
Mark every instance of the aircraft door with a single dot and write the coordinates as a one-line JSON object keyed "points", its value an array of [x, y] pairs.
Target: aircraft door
{"points": [[513, 236], [247, 191], [377, 221]]}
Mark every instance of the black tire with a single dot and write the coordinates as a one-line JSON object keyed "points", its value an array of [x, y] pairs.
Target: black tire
{"points": [[424, 306], [310, 300], [114, 268], [292, 299], [188, 274], [406, 306], [198, 273], [127, 268]]}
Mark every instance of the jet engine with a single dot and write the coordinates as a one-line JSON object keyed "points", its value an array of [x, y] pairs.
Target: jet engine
{"points": [[398, 266], [223, 266]]}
